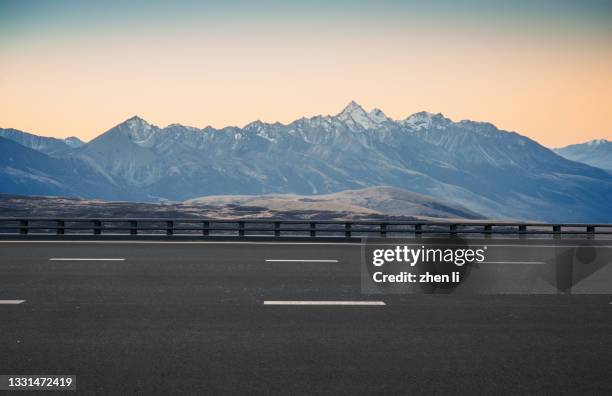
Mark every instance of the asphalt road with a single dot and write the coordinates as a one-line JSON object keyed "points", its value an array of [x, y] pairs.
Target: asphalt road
{"points": [[190, 318]]}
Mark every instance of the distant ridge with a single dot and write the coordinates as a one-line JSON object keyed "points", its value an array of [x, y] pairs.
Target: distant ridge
{"points": [[595, 153]]}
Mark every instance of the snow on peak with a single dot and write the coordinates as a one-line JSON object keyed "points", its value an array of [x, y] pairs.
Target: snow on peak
{"points": [[73, 141], [255, 125], [353, 108], [378, 116], [181, 126], [597, 142], [135, 120], [138, 130], [353, 115], [424, 119]]}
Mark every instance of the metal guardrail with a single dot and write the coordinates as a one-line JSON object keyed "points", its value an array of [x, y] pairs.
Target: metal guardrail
{"points": [[281, 228]]}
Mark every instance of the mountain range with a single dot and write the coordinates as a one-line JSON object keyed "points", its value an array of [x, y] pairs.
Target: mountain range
{"points": [[475, 165], [595, 152]]}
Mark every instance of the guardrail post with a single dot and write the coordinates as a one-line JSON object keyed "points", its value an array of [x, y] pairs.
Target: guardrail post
{"points": [[23, 230], [556, 230], [277, 228], [313, 229], [590, 231], [347, 230], [383, 230], [241, 228], [59, 230], [417, 229], [488, 229], [522, 231], [133, 227], [169, 227], [453, 229], [97, 224], [205, 226]]}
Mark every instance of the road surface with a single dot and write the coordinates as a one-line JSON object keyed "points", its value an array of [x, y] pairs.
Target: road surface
{"points": [[204, 318]]}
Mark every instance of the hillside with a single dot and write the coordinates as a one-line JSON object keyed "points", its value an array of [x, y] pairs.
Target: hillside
{"points": [[371, 203]]}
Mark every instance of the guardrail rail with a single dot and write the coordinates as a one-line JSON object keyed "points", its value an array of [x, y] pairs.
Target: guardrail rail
{"points": [[208, 228]]}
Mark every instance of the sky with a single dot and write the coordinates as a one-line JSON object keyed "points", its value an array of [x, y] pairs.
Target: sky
{"points": [[542, 68]]}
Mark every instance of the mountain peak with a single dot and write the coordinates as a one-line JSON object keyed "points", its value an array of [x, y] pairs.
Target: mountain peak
{"points": [[425, 119], [136, 123], [427, 115], [352, 108], [597, 142], [135, 119], [257, 124], [73, 141], [378, 116], [354, 115], [135, 128]]}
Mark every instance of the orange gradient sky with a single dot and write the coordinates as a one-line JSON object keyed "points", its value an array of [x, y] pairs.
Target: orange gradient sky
{"points": [[549, 80]]}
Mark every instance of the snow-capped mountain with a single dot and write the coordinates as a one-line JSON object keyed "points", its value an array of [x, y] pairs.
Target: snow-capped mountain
{"points": [[425, 120], [29, 172], [355, 117], [489, 171], [595, 153]]}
